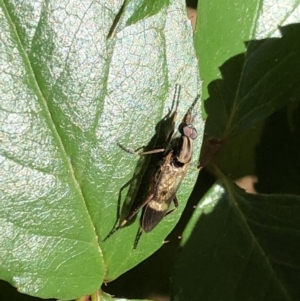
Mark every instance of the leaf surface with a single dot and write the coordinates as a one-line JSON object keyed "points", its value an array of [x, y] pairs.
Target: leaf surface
{"points": [[240, 247], [75, 81]]}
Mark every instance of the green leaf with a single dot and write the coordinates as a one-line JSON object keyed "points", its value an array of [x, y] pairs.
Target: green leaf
{"points": [[259, 64], [250, 66], [48, 242], [102, 296], [221, 30], [69, 93], [164, 62], [239, 246], [144, 9], [255, 84]]}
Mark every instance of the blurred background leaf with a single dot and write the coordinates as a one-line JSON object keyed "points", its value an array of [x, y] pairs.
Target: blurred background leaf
{"points": [[241, 246], [249, 64]]}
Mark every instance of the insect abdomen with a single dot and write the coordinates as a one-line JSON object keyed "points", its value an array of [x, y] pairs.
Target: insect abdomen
{"points": [[152, 215]]}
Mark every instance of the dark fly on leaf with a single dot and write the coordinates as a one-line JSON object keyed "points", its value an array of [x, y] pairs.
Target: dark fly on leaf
{"points": [[166, 180]]}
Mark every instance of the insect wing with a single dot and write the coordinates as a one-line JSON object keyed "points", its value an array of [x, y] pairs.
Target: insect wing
{"points": [[169, 179], [151, 217]]}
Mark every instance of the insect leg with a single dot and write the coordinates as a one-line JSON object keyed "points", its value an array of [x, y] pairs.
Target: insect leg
{"points": [[135, 211], [140, 231], [175, 201], [137, 238], [111, 233], [129, 217], [154, 151], [115, 227]]}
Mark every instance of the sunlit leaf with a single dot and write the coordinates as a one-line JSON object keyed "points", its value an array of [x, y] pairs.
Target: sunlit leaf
{"points": [[75, 81]]}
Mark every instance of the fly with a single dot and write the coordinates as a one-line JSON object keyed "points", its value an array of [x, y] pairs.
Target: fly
{"points": [[168, 177]]}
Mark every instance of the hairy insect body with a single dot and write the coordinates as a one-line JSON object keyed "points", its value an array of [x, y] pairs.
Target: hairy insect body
{"points": [[168, 180]]}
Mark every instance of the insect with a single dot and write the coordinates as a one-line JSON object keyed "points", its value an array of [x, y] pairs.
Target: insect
{"points": [[167, 178]]}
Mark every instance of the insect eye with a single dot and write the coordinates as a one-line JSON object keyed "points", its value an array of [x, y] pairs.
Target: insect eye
{"points": [[189, 131]]}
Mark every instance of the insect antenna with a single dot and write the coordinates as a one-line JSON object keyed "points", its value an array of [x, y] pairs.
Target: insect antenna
{"points": [[194, 102], [176, 96]]}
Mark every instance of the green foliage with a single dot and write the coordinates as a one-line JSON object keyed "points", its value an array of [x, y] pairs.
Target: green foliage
{"points": [[145, 9], [241, 246], [79, 77], [76, 80]]}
